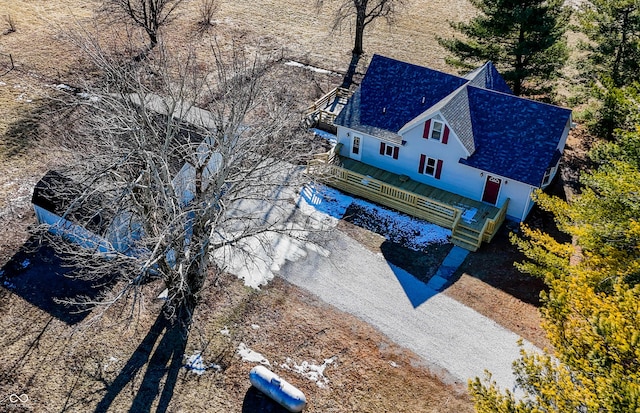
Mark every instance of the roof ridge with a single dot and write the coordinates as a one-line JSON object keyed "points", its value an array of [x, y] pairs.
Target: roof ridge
{"points": [[517, 97], [417, 65]]}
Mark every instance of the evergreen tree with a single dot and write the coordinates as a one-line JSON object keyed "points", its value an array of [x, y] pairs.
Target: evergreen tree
{"points": [[524, 38], [592, 309], [611, 65]]}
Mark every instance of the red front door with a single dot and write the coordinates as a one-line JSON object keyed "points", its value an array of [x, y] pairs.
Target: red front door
{"points": [[491, 190]]}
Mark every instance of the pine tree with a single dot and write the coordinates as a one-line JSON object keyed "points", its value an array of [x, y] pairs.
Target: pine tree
{"points": [[611, 66], [524, 38], [592, 309]]}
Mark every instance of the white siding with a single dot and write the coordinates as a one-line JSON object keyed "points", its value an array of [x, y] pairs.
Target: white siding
{"points": [[455, 177], [72, 232]]}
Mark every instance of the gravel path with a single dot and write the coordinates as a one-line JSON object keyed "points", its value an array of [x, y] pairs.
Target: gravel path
{"points": [[446, 334]]}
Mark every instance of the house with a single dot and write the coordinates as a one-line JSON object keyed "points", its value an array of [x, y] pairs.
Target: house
{"points": [[413, 129], [92, 224]]}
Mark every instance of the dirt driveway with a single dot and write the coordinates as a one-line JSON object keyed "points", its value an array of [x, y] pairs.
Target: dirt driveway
{"points": [[450, 337]]}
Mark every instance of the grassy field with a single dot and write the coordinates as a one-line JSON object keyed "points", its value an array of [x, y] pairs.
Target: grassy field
{"points": [[66, 368]]}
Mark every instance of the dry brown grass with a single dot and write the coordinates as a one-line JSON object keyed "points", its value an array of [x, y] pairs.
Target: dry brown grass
{"points": [[62, 369]]}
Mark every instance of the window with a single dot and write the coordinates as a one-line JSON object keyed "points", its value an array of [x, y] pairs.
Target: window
{"points": [[547, 176], [435, 129], [356, 145], [389, 150], [430, 166], [436, 132]]}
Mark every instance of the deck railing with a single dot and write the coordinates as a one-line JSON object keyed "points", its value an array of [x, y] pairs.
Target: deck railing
{"points": [[339, 93], [493, 224], [323, 166], [391, 196], [317, 110]]}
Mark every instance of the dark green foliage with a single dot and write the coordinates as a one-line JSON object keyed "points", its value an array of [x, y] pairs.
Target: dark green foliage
{"points": [[524, 38], [611, 66]]}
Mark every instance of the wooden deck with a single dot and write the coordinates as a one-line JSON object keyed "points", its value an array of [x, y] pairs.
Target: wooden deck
{"points": [[325, 109], [471, 222]]}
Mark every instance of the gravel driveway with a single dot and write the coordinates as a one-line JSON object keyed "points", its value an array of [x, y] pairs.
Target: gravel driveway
{"points": [[449, 336]]}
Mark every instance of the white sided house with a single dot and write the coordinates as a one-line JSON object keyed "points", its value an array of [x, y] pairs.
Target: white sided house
{"points": [[464, 136]]}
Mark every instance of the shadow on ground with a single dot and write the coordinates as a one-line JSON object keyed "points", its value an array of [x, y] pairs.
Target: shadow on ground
{"points": [[421, 264], [42, 278], [162, 363], [494, 262], [257, 402]]}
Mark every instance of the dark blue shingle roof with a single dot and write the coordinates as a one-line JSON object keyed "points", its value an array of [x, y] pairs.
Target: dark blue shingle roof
{"points": [[487, 77], [514, 137], [392, 92], [506, 135]]}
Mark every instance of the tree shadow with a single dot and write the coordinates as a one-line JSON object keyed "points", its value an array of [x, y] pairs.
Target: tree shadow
{"points": [[165, 361], [493, 263], [43, 278], [348, 77]]}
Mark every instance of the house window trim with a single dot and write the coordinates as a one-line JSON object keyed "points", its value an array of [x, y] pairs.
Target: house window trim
{"points": [[436, 168], [548, 175], [356, 145], [430, 129], [390, 150], [433, 130]]}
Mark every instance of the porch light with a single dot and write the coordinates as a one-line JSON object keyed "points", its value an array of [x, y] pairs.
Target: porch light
{"points": [[404, 143]]}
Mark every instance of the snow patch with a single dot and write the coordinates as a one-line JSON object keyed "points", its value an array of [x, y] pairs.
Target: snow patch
{"points": [[23, 98], [318, 200], [255, 326], [251, 356], [311, 371], [395, 226], [311, 68], [196, 364], [225, 331], [64, 87], [109, 362], [255, 259], [325, 135]]}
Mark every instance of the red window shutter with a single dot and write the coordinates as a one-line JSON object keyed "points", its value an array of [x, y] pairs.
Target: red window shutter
{"points": [[423, 159], [445, 137], [438, 169], [382, 147], [427, 126], [396, 150]]}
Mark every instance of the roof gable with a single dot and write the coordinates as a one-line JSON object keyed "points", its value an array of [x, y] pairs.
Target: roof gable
{"points": [[487, 77], [514, 137], [393, 93]]}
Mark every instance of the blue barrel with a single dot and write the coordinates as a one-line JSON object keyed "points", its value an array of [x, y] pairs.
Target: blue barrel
{"points": [[278, 389]]}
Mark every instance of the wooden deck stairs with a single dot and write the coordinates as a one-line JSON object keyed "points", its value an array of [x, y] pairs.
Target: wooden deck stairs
{"points": [[324, 111], [440, 207]]}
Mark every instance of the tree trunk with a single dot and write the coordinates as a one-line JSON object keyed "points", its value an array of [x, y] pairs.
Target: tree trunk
{"points": [[615, 71], [519, 65], [360, 24]]}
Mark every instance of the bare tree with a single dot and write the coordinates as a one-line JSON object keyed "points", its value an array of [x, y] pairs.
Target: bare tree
{"points": [[165, 184], [150, 15], [365, 11], [208, 9], [11, 23]]}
